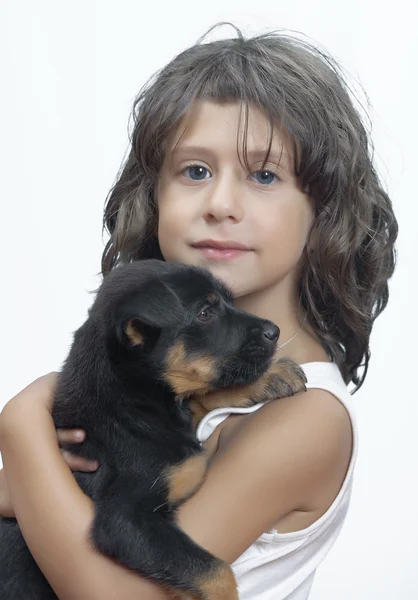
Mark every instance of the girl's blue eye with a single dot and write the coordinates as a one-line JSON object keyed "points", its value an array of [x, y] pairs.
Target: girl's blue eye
{"points": [[196, 172], [265, 177], [199, 173]]}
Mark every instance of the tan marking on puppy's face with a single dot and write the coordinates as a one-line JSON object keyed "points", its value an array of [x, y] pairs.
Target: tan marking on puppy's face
{"points": [[212, 298], [184, 479], [134, 334], [189, 376]]}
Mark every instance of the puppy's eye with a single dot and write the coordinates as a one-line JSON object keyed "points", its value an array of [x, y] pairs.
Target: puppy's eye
{"points": [[205, 314]]}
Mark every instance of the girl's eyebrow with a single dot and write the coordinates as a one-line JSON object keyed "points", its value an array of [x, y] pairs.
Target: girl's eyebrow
{"points": [[190, 149], [280, 159]]}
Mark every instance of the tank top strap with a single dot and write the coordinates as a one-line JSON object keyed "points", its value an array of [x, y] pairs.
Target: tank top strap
{"points": [[320, 375]]}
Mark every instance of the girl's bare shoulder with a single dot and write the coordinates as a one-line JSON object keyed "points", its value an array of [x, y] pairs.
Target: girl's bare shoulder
{"points": [[313, 430]]}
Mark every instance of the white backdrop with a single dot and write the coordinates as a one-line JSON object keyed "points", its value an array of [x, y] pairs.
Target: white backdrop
{"points": [[69, 74]]}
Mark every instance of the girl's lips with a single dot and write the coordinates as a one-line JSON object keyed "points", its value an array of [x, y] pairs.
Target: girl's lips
{"points": [[220, 253], [225, 245], [217, 250]]}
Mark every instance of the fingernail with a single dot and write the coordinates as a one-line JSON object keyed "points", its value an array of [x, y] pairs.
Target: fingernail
{"points": [[79, 435]]}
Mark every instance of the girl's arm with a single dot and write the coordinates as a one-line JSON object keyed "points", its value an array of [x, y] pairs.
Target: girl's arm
{"points": [[53, 512], [6, 507], [280, 460]]}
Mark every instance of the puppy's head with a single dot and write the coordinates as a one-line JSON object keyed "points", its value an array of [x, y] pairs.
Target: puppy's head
{"points": [[177, 324]]}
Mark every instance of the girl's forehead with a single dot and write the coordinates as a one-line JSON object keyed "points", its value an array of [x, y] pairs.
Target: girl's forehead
{"points": [[210, 123]]}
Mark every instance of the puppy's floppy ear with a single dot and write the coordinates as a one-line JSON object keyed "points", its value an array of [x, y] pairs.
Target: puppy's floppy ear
{"points": [[144, 314]]}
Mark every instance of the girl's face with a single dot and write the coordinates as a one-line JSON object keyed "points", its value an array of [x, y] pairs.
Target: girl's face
{"points": [[248, 229]]}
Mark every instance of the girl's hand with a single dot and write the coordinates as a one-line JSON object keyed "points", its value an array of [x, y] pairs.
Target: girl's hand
{"points": [[41, 393], [76, 463]]}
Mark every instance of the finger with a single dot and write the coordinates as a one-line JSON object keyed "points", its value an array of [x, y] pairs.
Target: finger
{"points": [[71, 436], [78, 463]]}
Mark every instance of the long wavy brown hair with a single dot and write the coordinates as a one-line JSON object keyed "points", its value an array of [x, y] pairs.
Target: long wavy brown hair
{"points": [[344, 280]]}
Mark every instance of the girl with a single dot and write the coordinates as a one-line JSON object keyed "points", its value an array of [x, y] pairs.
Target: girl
{"points": [[248, 158]]}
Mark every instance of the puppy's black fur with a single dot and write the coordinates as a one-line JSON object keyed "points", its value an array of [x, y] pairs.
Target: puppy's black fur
{"points": [[156, 334]]}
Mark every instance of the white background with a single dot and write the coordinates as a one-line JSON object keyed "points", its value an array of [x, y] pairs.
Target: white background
{"points": [[69, 74]]}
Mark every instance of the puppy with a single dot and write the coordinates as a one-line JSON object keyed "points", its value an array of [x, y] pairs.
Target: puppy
{"points": [[160, 344]]}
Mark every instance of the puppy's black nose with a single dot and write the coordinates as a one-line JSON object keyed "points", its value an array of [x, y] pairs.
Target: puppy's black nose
{"points": [[271, 332]]}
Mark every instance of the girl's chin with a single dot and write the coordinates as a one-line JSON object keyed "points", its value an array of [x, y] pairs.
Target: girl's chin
{"points": [[225, 271], [232, 280]]}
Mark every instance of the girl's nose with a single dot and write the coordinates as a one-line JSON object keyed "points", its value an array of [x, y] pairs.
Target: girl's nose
{"points": [[224, 201]]}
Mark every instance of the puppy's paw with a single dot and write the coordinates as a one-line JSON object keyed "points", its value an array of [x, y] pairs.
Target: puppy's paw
{"points": [[284, 378]]}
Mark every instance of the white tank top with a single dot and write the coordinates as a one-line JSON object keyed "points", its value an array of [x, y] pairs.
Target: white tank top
{"points": [[281, 566]]}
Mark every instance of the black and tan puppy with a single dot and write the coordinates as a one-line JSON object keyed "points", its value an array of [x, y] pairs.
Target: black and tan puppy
{"points": [[157, 335]]}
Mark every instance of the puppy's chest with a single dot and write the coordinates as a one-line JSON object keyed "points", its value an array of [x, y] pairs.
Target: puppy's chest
{"points": [[150, 439]]}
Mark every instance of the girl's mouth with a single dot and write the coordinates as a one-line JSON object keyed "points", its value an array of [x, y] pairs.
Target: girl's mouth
{"points": [[217, 250]]}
